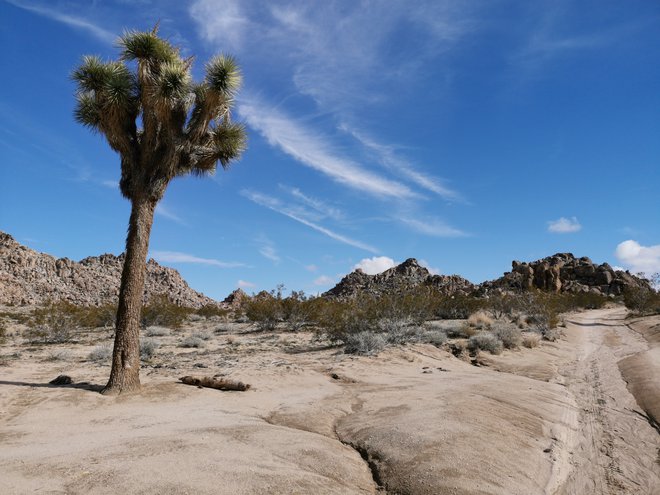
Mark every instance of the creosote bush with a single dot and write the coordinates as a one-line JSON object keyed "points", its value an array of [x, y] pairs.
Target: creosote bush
{"points": [[160, 311]]}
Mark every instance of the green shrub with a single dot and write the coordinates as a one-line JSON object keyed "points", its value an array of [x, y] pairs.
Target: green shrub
{"points": [[160, 311], [456, 307], [212, 310], [641, 301]]}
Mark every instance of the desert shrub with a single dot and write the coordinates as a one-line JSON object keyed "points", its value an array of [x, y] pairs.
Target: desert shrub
{"points": [[500, 304], [264, 310], [53, 323], [462, 331], [480, 320], [456, 307], [435, 337], [203, 335], [551, 334], [60, 355], [531, 339], [365, 343], [97, 316], [508, 334], [212, 310], [3, 332], [641, 301], [156, 331], [160, 311], [100, 353], [148, 348], [485, 341], [191, 341]]}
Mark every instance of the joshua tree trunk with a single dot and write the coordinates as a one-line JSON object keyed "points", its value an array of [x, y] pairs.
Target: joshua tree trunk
{"points": [[124, 376]]}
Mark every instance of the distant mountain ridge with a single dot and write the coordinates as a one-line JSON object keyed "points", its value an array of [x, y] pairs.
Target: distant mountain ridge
{"points": [[30, 277]]}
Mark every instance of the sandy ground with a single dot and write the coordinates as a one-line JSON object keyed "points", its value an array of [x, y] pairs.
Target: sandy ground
{"points": [[557, 419]]}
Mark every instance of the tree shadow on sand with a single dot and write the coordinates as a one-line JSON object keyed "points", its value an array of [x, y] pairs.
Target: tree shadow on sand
{"points": [[82, 385]]}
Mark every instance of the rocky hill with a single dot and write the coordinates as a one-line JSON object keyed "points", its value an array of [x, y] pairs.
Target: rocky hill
{"points": [[563, 272], [30, 277], [407, 275]]}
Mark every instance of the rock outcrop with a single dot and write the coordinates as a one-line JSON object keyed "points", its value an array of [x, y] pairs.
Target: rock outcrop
{"points": [[563, 272], [406, 276], [30, 277]]}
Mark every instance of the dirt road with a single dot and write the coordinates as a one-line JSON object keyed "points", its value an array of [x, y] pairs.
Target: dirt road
{"points": [[616, 450]]}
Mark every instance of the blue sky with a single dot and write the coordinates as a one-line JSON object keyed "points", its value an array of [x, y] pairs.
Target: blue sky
{"points": [[462, 133]]}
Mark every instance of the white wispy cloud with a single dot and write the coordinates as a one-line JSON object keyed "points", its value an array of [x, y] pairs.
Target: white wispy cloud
{"points": [[564, 225], [277, 206], [270, 253], [431, 226], [638, 258], [324, 209], [221, 21], [377, 264], [311, 268], [178, 257], [244, 284], [314, 150], [68, 19], [165, 212], [388, 157]]}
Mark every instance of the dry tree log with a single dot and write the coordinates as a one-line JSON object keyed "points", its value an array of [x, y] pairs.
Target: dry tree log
{"points": [[217, 383]]}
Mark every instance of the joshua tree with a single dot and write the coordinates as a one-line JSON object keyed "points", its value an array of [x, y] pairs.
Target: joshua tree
{"points": [[163, 126]]}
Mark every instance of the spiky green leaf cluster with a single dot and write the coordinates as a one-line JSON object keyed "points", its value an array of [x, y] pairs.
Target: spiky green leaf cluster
{"points": [[185, 127], [223, 75]]}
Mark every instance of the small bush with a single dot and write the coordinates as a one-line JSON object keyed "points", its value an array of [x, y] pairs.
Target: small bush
{"points": [[61, 355], [156, 331], [191, 341], [485, 341], [364, 343], [508, 334], [3, 332], [480, 320], [100, 353], [435, 337], [202, 335], [531, 340], [264, 310], [160, 311], [551, 334], [212, 310], [148, 348], [463, 331]]}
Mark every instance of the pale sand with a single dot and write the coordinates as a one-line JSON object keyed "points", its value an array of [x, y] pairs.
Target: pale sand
{"points": [[557, 419]]}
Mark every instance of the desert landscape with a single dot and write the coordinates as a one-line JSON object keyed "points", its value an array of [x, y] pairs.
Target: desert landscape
{"points": [[430, 415], [306, 248]]}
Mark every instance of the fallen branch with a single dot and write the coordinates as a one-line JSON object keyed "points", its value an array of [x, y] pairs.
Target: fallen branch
{"points": [[217, 383]]}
